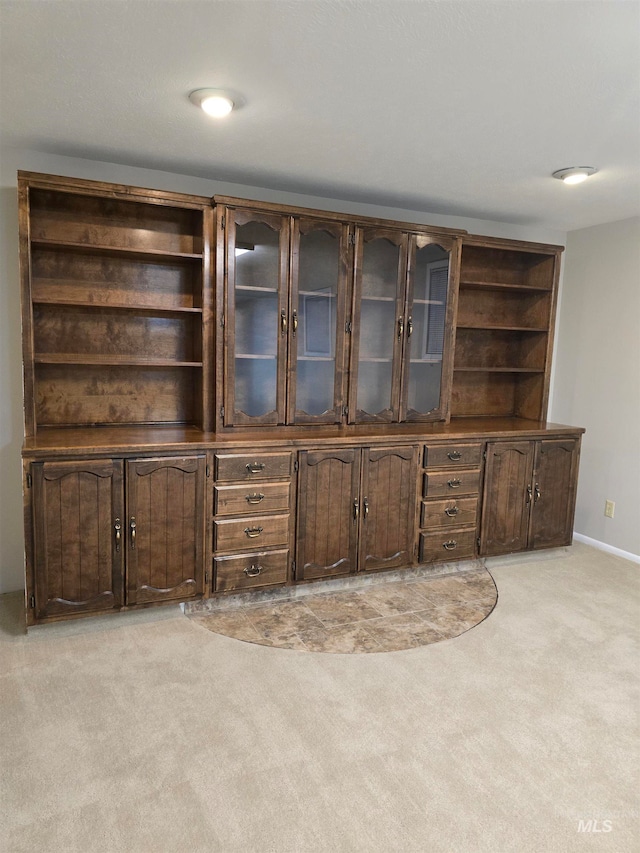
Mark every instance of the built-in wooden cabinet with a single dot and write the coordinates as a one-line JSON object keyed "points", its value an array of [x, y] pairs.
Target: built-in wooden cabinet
{"points": [[98, 545], [356, 510], [529, 495], [225, 395], [79, 537], [114, 305]]}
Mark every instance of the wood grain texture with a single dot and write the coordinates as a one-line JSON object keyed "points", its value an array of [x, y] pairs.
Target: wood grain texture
{"points": [[327, 530], [165, 508], [506, 504], [555, 484], [78, 563], [389, 503]]}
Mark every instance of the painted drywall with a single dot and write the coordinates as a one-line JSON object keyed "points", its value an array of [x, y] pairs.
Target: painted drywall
{"points": [[11, 423], [597, 376]]}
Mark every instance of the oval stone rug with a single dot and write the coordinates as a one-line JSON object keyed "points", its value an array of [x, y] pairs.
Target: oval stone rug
{"points": [[380, 617]]}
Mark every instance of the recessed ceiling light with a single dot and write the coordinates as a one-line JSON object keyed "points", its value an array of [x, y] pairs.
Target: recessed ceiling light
{"points": [[215, 102], [575, 174]]}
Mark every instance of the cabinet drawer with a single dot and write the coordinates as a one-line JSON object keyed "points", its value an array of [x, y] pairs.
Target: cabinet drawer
{"points": [[453, 512], [265, 497], [251, 570], [258, 466], [262, 531], [447, 545], [440, 483], [452, 455]]}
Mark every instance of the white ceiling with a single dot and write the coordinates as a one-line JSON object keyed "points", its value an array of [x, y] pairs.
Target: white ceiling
{"points": [[448, 106]]}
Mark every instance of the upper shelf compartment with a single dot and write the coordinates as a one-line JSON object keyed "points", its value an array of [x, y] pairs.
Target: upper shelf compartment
{"points": [[77, 221], [506, 269]]}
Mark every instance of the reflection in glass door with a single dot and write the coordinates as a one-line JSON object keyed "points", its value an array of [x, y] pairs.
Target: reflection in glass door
{"points": [[257, 309], [426, 331], [317, 322], [379, 303]]}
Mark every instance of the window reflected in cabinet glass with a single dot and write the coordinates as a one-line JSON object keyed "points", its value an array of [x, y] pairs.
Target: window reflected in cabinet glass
{"points": [[380, 266], [256, 318], [430, 285], [318, 277]]}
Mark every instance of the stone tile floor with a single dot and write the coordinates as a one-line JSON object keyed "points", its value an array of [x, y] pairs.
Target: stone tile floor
{"points": [[384, 617]]}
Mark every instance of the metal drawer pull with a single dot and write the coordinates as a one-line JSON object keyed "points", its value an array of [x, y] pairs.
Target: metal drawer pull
{"points": [[132, 528], [451, 511], [400, 327], [252, 571], [450, 545], [255, 467], [252, 532], [294, 323], [283, 322], [454, 455], [117, 527], [356, 508], [365, 507], [409, 327], [255, 498], [454, 484], [536, 494], [529, 494]]}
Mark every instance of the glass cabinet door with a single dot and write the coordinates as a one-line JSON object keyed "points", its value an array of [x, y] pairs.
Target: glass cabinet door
{"points": [[426, 328], [256, 317], [378, 334], [320, 263]]}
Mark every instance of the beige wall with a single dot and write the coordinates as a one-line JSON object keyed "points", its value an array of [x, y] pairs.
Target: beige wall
{"points": [[11, 538], [597, 376]]}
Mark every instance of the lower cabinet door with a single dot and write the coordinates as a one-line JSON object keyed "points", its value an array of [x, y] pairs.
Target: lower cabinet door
{"points": [[554, 493], [508, 493], [78, 537], [389, 500], [328, 513], [165, 528]]}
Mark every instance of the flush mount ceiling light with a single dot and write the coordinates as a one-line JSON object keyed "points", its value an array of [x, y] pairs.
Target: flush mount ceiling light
{"points": [[215, 102], [575, 174]]}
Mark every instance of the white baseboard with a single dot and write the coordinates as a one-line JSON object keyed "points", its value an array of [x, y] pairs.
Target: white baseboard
{"points": [[602, 546]]}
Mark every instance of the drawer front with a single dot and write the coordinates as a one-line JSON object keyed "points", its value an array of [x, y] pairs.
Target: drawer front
{"points": [[453, 512], [251, 570], [238, 500], [447, 545], [258, 466], [452, 455], [259, 531], [444, 483]]}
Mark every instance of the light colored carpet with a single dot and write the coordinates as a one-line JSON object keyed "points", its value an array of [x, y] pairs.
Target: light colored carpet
{"points": [[146, 733]]}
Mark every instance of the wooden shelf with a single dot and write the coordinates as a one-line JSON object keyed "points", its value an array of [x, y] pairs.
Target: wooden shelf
{"points": [[497, 370], [149, 255], [117, 306], [498, 285], [491, 327], [88, 360]]}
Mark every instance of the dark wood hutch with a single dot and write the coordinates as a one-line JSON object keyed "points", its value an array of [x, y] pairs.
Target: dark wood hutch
{"points": [[226, 395]]}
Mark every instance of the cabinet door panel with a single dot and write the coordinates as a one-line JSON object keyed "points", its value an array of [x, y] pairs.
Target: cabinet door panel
{"points": [[556, 470], [378, 330], [389, 498], [320, 266], [256, 317], [427, 354], [78, 558], [327, 523], [165, 528], [506, 502]]}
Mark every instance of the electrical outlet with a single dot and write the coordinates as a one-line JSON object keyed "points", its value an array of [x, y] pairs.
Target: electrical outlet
{"points": [[609, 508]]}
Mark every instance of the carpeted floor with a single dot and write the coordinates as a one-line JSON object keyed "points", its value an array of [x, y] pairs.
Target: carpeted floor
{"points": [[145, 733]]}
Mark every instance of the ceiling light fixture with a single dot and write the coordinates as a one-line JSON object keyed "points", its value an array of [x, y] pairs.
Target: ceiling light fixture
{"points": [[575, 174], [215, 102]]}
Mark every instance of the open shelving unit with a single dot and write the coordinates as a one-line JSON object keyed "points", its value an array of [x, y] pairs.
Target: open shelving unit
{"points": [[504, 329], [115, 306]]}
